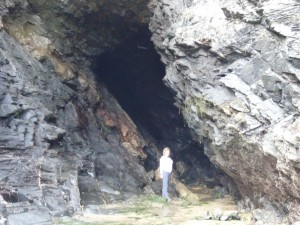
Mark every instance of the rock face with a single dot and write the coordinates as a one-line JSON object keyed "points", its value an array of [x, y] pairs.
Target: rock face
{"points": [[64, 140], [59, 148], [234, 66], [88, 28]]}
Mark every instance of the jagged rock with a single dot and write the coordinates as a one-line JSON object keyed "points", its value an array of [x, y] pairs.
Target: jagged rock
{"points": [[235, 69], [214, 215], [148, 191], [56, 151], [180, 168], [10, 139], [184, 192], [218, 214], [266, 216], [50, 132], [92, 210], [8, 109]]}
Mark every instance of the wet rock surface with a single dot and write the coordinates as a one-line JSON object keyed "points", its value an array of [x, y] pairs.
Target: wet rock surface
{"points": [[234, 68], [60, 145]]}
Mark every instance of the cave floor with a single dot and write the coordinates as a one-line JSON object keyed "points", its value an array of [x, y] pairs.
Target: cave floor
{"points": [[154, 210]]}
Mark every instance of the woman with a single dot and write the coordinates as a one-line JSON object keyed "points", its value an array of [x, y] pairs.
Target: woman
{"points": [[165, 167]]}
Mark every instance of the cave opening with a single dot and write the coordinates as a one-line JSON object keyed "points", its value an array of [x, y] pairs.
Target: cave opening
{"points": [[133, 73]]}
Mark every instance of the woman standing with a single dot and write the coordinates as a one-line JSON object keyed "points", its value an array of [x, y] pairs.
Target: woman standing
{"points": [[165, 167]]}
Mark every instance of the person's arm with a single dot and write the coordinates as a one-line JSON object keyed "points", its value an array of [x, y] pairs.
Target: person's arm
{"points": [[160, 168]]}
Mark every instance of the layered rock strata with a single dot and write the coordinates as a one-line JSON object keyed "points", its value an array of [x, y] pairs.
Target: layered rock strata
{"points": [[65, 142], [235, 68]]}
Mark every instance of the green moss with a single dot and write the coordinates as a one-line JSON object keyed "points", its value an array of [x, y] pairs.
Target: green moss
{"points": [[145, 206], [199, 103], [156, 199], [219, 195], [186, 203], [105, 129], [190, 203], [200, 106], [137, 209]]}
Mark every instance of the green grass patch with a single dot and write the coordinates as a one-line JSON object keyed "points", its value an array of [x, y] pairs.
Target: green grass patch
{"points": [[186, 203], [155, 199], [145, 205], [137, 209]]}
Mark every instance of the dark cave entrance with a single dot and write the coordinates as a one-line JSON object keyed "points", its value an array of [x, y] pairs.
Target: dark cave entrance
{"points": [[133, 73]]}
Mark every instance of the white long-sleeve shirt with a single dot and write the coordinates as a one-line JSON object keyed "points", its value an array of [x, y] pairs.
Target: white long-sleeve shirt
{"points": [[165, 165]]}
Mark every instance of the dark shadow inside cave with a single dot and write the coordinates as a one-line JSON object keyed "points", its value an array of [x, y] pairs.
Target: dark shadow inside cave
{"points": [[133, 73]]}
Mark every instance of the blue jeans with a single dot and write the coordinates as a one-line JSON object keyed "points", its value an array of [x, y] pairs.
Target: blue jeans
{"points": [[165, 184]]}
